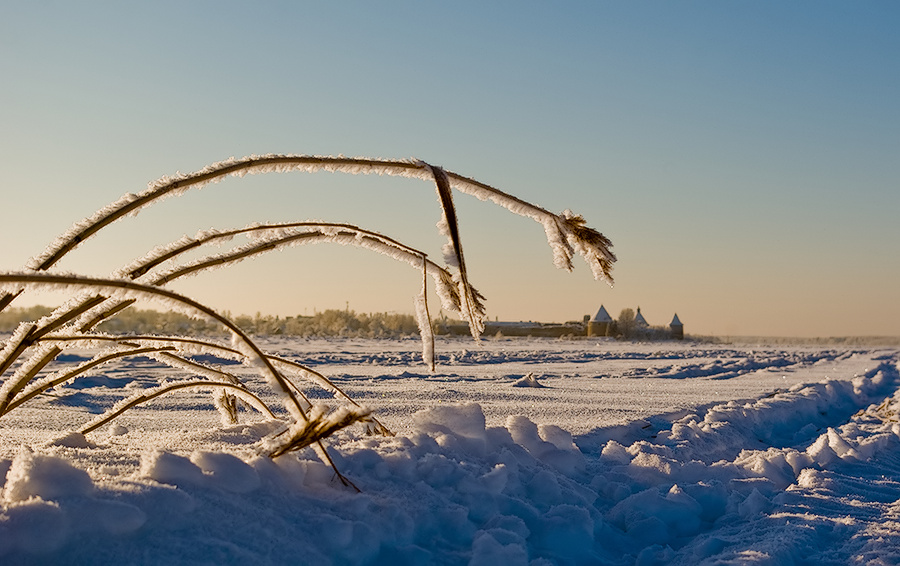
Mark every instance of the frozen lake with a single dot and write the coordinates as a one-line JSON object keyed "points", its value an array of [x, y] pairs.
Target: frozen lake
{"points": [[528, 451]]}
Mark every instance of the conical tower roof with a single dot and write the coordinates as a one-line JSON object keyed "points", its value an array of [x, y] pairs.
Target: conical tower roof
{"points": [[676, 321], [639, 319], [602, 315]]}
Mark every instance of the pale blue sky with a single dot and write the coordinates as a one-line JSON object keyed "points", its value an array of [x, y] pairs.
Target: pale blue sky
{"points": [[744, 157]]}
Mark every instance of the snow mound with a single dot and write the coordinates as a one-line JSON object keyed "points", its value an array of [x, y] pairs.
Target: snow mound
{"points": [[48, 503], [46, 477], [529, 381]]}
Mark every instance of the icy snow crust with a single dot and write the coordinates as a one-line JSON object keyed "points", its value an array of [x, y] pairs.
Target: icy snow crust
{"points": [[628, 454]]}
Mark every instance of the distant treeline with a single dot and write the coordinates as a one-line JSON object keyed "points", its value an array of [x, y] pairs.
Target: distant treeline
{"points": [[626, 328], [327, 323]]}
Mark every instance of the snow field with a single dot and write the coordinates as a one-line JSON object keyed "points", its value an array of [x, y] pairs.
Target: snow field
{"points": [[783, 465]]}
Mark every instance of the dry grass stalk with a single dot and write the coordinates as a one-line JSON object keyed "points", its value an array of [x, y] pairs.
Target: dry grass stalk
{"points": [[150, 394], [568, 230], [103, 298], [271, 237], [40, 386], [320, 425], [191, 307], [162, 348], [453, 253]]}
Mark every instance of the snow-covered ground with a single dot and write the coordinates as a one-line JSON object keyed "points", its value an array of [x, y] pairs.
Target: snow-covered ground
{"points": [[521, 451]]}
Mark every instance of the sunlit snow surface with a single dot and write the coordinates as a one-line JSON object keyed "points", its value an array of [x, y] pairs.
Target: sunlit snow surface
{"points": [[663, 453]]}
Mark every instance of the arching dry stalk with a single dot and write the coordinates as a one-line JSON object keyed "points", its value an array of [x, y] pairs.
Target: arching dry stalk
{"points": [[453, 253], [101, 298], [150, 394], [564, 231], [287, 235], [271, 237], [162, 348], [165, 253], [128, 289], [38, 387]]}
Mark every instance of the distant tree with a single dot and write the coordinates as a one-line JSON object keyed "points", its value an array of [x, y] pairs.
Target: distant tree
{"points": [[10, 318], [625, 323]]}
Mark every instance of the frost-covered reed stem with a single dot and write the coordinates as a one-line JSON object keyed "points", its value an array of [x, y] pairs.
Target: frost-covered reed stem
{"points": [[426, 333], [180, 302], [269, 237], [172, 186], [453, 252], [285, 235], [196, 345], [19, 343], [25, 373], [7, 297], [150, 394], [42, 385], [564, 231], [23, 339], [277, 236], [373, 425], [165, 253], [321, 424]]}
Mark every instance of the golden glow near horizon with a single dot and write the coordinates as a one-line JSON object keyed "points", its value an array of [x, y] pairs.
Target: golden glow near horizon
{"points": [[742, 158]]}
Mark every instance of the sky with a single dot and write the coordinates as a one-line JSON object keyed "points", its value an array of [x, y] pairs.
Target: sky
{"points": [[742, 156]]}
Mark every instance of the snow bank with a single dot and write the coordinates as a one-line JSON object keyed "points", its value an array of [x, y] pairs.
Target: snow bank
{"points": [[452, 488]]}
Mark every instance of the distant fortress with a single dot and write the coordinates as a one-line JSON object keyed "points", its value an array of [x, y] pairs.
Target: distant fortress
{"points": [[602, 324]]}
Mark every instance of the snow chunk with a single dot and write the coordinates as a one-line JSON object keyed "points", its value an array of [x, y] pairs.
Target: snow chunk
{"points": [[498, 546], [831, 446], [615, 453], [47, 477], [656, 519], [169, 468], [810, 478], [227, 471], [755, 504], [558, 437], [72, 440], [777, 465], [529, 381], [568, 460], [465, 420]]}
